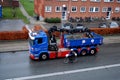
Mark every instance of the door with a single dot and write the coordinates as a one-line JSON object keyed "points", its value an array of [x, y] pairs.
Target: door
{"points": [[108, 13], [64, 13]]}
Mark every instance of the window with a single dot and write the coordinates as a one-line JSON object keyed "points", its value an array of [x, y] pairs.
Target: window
{"points": [[108, 0], [117, 9], [94, 9], [83, 0], [95, 0], [109, 9], [104, 9], [74, 0], [58, 9], [74, 9], [40, 40], [62, 0], [48, 8], [118, 1], [31, 42], [83, 9]]}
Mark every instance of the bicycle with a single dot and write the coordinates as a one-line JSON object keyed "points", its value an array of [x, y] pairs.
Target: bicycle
{"points": [[70, 58]]}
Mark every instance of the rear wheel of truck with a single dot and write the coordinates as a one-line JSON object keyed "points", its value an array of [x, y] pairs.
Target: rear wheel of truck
{"points": [[93, 51], [44, 56], [83, 52]]}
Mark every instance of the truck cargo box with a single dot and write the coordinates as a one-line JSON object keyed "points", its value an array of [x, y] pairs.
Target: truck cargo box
{"points": [[82, 39]]}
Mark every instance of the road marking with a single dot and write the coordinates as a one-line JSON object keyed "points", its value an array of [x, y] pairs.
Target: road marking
{"points": [[65, 72]]}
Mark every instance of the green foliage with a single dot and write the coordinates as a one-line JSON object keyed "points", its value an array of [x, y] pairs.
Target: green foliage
{"points": [[53, 20], [29, 6], [9, 12]]}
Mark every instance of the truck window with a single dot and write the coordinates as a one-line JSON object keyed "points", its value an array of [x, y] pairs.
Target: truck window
{"points": [[31, 42], [40, 40]]}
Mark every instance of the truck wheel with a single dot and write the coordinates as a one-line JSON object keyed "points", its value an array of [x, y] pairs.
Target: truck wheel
{"points": [[93, 51], [83, 52], [44, 56]]}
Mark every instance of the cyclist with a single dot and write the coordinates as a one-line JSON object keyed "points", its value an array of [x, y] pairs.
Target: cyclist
{"points": [[72, 56]]}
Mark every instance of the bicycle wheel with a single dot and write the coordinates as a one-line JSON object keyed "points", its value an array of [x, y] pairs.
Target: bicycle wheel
{"points": [[66, 60]]}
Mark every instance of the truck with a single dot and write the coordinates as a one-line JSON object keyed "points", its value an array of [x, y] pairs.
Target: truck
{"points": [[43, 46]]}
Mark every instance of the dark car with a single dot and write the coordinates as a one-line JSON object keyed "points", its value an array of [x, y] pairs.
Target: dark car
{"points": [[102, 25], [79, 26]]}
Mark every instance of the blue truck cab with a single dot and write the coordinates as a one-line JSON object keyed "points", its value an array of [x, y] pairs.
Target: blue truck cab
{"points": [[38, 43]]}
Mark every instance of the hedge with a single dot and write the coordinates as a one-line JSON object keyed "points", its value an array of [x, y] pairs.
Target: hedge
{"points": [[23, 34], [106, 31], [101, 31], [14, 35], [53, 20]]}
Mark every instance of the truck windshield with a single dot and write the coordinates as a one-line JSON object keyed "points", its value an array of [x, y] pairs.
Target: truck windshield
{"points": [[31, 42]]}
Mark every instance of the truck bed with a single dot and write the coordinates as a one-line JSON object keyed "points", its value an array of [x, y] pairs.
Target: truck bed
{"points": [[82, 39]]}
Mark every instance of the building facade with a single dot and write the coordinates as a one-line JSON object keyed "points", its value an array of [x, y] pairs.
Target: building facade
{"points": [[77, 8]]}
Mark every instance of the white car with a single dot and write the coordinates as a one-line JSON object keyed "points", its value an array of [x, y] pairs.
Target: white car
{"points": [[67, 26], [113, 25]]}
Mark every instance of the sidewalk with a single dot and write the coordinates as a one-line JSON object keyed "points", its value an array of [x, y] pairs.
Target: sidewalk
{"points": [[22, 45], [13, 46]]}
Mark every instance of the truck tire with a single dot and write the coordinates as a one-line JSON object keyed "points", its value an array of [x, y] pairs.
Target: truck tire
{"points": [[44, 56], [93, 51], [83, 52]]}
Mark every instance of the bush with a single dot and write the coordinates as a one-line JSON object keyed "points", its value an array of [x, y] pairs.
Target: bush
{"points": [[113, 18], [53, 20]]}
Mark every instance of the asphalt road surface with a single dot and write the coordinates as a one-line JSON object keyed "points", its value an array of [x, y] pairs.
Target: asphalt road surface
{"points": [[104, 66]]}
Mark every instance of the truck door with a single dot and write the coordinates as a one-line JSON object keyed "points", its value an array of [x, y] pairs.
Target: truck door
{"points": [[41, 44]]}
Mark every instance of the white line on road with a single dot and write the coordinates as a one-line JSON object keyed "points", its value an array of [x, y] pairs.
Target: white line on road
{"points": [[65, 72]]}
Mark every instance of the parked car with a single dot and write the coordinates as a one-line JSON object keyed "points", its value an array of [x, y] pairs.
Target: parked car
{"points": [[113, 24], [67, 26], [102, 25], [79, 26]]}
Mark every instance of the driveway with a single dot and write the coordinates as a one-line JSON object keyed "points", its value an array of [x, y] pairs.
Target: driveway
{"points": [[11, 25]]}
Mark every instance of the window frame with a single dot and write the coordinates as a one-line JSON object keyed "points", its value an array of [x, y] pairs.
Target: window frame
{"points": [[60, 9], [95, 1], [104, 9], [108, 1], [74, 0], [83, 0], [72, 8], [94, 9], [116, 10], [48, 8], [81, 9]]}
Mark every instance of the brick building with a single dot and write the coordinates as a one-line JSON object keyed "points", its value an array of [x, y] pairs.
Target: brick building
{"points": [[9, 3], [77, 8]]}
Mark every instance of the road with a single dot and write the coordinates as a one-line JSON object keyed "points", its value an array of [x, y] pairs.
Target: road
{"points": [[104, 66]]}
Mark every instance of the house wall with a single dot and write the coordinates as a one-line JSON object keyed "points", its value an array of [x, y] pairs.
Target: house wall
{"points": [[40, 8]]}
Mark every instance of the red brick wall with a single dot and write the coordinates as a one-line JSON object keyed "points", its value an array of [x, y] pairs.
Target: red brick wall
{"points": [[6, 2], [40, 4]]}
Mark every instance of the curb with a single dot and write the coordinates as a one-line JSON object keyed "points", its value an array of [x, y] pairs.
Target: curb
{"points": [[13, 51]]}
